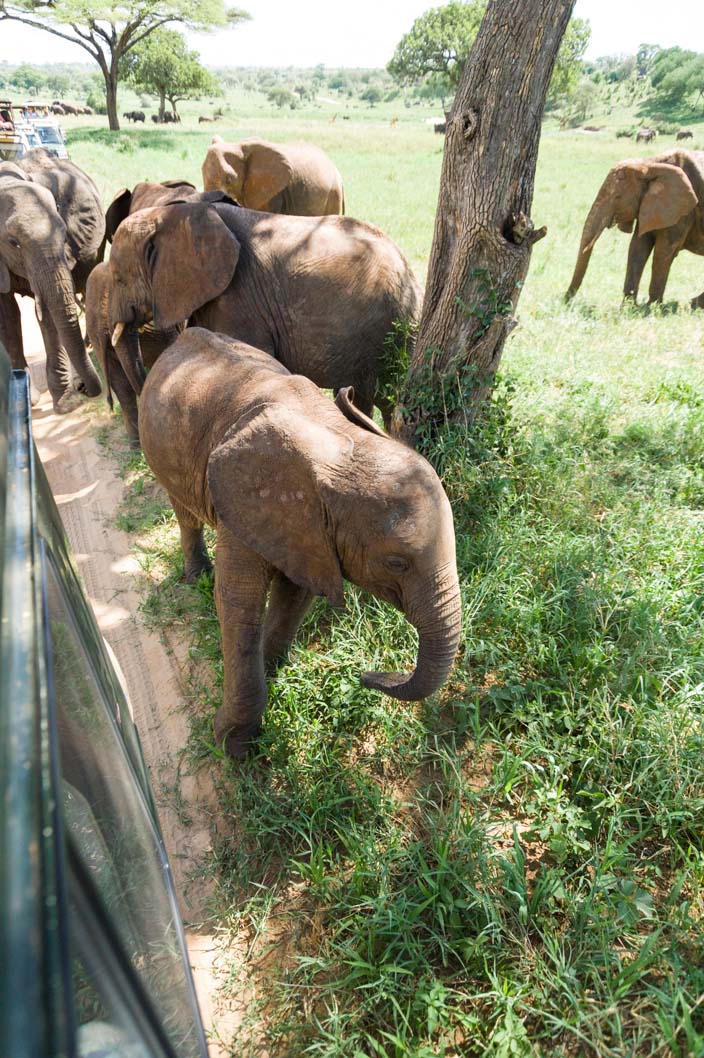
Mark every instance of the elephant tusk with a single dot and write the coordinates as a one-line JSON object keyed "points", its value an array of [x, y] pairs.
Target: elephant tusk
{"points": [[117, 333]]}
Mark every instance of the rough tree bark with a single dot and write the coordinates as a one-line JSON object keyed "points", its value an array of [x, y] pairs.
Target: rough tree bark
{"points": [[483, 231]]}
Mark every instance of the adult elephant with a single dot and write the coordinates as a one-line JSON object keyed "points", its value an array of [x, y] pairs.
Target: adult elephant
{"points": [[664, 198], [143, 196], [292, 178], [320, 294], [302, 496], [124, 363], [48, 245]]}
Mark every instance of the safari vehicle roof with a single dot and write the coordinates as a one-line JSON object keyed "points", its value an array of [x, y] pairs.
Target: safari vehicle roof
{"points": [[63, 943]]}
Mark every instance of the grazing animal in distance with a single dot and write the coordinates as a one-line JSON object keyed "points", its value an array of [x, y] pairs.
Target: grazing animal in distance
{"points": [[685, 134], [440, 127], [646, 135]]}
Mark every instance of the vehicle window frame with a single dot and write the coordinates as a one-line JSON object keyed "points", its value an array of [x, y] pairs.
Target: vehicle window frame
{"points": [[37, 852]]}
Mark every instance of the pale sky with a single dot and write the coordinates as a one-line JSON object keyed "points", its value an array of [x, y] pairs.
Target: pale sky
{"points": [[304, 33]]}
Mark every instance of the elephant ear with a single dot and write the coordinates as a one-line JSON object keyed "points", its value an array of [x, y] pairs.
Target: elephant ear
{"points": [[178, 183], [267, 174], [345, 402], [192, 258], [669, 195], [268, 484], [218, 197], [4, 278], [117, 211]]}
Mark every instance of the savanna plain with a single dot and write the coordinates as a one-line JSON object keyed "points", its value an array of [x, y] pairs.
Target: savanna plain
{"points": [[516, 866]]}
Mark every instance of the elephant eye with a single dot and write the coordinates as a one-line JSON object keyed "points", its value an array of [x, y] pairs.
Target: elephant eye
{"points": [[397, 564], [13, 242]]}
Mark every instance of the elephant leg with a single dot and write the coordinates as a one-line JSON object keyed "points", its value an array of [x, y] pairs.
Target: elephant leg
{"points": [[195, 553], [639, 250], [58, 366], [122, 388], [288, 605], [241, 583], [665, 253], [698, 303]]}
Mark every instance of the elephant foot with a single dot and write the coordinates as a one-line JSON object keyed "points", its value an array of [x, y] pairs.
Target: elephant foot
{"points": [[194, 569], [240, 741], [34, 395], [94, 390], [67, 403]]}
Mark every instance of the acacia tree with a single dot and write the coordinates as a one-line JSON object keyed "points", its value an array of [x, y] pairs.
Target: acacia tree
{"points": [[438, 44], [483, 231], [163, 65], [109, 29]]}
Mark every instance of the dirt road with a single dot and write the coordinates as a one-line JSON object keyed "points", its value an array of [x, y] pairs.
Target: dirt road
{"points": [[88, 492]]}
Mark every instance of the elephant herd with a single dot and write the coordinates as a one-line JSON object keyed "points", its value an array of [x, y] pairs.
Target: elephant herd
{"points": [[246, 300], [218, 320]]}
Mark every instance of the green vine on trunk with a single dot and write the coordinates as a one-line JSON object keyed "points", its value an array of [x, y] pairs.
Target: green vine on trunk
{"points": [[488, 305]]}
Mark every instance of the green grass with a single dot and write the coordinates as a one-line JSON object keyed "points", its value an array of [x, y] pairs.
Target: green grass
{"points": [[515, 867]]}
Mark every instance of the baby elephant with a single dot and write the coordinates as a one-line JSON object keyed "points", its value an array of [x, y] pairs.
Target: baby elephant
{"points": [[302, 494]]}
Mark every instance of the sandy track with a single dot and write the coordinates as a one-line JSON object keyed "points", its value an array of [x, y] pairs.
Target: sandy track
{"points": [[87, 493]]}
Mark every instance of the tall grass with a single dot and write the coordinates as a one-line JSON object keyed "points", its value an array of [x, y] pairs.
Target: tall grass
{"points": [[516, 866]]}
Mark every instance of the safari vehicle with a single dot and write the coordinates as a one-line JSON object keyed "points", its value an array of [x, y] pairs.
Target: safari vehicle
{"points": [[94, 961], [51, 136], [17, 137]]}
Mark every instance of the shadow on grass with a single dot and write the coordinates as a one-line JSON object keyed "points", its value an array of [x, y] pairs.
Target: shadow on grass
{"points": [[676, 112], [142, 139]]}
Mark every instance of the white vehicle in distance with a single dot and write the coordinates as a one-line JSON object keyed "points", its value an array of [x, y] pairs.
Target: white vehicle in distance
{"points": [[51, 136]]}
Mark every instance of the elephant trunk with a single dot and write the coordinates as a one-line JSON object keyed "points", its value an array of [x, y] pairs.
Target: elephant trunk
{"points": [[129, 353], [54, 285], [439, 625], [600, 217]]}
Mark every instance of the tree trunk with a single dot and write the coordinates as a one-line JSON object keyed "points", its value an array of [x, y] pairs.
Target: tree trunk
{"points": [[162, 106], [110, 76], [483, 231]]}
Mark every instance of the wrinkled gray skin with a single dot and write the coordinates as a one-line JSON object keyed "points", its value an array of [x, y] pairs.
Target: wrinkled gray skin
{"points": [[124, 364], [663, 197], [297, 179], [302, 494], [51, 235], [320, 294]]}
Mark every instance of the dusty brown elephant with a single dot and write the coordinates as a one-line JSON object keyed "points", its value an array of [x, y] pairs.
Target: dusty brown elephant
{"points": [[294, 178], [51, 234], [664, 197], [124, 364], [320, 294], [143, 196], [302, 496]]}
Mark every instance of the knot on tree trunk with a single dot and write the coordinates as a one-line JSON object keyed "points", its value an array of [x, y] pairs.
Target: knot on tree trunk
{"points": [[468, 123], [519, 229]]}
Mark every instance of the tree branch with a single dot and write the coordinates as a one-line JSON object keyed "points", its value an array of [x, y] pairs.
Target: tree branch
{"points": [[6, 16]]}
